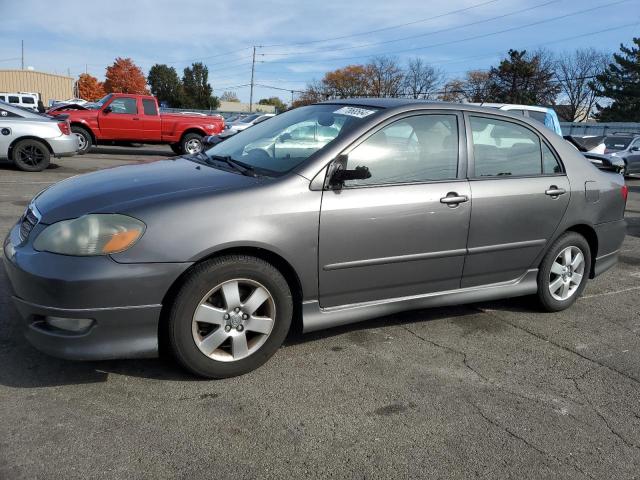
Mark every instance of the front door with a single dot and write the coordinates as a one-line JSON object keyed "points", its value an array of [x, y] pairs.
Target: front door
{"points": [[403, 231], [520, 194], [121, 120]]}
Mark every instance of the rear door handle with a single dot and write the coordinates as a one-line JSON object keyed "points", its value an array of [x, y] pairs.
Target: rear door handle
{"points": [[453, 199], [554, 191]]}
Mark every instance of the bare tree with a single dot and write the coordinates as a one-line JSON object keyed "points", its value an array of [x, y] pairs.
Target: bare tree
{"points": [[574, 73], [421, 80], [477, 86], [386, 77], [453, 91]]}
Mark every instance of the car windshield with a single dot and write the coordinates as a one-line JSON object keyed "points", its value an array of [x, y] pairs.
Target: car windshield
{"points": [[20, 111], [98, 105], [617, 143], [283, 142], [248, 119]]}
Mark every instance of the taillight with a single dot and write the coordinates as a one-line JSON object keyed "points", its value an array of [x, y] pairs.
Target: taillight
{"points": [[64, 127], [625, 192]]}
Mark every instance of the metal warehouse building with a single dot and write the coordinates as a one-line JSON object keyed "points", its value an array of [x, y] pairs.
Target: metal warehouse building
{"points": [[48, 85]]}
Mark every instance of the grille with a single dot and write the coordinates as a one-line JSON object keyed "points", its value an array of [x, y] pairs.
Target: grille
{"points": [[29, 220]]}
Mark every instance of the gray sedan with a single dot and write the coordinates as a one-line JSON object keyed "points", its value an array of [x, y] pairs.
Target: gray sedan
{"points": [[29, 140], [391, 205]]}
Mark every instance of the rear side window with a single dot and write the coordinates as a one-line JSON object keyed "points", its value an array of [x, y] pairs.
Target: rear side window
{"points": [[502, 148], [13, 99], [149, 106], [124, 105], [28, 100], [420, 148], [539, 116]]}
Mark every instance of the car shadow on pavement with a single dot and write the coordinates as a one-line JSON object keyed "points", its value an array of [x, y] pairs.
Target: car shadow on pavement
{"points": [[130, 151]]}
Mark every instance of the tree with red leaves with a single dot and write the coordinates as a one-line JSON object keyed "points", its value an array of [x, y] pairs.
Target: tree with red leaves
{"points": [[89, 88], [124, 76]]}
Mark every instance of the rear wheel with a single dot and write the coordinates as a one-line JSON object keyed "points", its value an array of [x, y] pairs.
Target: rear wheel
{"points": [[84, 139], [564, 272], [31, 155], [230, 316], [191, 143]]}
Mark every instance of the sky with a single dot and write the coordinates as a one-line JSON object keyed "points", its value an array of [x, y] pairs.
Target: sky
{"points": [[298, 41]]}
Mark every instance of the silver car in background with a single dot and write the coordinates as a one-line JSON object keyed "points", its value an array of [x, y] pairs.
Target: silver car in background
{"points": [[29, 140], [248, 121]]}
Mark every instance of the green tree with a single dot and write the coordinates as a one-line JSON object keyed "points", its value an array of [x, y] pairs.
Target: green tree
{"points": [[166, 85], [621, 83], [197, 91], [524, 78], [275, 101]]}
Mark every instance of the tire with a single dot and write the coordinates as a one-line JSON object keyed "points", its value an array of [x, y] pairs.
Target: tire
{"points": [[85, 140], [177, 149], [189, 142], [208, 294], [31, 155], [553, 275]]}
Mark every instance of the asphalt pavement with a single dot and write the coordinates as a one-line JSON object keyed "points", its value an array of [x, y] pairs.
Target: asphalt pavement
{"points": [[492, 390]]}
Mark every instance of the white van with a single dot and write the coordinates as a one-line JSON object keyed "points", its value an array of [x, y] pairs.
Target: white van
{"points": [[546, 116], [21, 99]]}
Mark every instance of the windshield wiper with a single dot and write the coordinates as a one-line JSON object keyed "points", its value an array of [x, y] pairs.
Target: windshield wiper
{"points": [[243, 168]]}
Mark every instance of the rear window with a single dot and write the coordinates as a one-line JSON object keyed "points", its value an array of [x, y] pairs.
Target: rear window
{"points": [[617, 143], [149, 107], [28, 100]]}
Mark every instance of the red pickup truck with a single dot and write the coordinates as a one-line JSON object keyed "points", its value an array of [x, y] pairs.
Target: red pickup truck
{"points": [[121, 117]]}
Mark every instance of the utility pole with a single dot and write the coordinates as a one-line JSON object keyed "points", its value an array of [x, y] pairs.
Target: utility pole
{"points": [[22, 55], [253, 68]]}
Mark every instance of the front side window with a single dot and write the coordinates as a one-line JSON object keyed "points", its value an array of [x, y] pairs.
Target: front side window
{"points": [[420, 148], [124, 105], [283, 142], [502, 148], [149, 106]]}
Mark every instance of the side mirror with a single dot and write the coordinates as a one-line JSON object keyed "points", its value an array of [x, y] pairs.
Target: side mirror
{"points": [[635, 149], [107, 109], [340, 174], [284, 137]]}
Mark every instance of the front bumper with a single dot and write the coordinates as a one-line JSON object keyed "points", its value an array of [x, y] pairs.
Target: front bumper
{"points": [[123, 301]]}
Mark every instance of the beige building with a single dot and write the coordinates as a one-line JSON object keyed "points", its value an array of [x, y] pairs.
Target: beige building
{"points": [[244, 107], [48, 85]]}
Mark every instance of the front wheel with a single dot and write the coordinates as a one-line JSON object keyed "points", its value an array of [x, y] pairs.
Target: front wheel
{"points": [[84, 139], [230, 316], [564, 272]]}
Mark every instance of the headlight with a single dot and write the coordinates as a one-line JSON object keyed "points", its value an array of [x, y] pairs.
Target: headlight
{"points": [[99, 234]]}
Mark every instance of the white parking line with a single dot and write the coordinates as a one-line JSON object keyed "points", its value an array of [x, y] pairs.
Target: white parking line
{"points": [[611, 293]]}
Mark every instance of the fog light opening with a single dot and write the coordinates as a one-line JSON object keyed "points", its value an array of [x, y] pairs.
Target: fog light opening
{"points": [[70, 324]]}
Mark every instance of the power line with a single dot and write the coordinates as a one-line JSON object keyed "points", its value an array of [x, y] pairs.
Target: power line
{"points": [[466, 39], [460, 10], [411, 37]]}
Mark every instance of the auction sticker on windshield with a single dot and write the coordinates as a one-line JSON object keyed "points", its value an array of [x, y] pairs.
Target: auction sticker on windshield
{"points": [[355, 112]]}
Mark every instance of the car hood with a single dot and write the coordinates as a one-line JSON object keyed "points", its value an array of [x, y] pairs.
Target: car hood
{"points": [[116, 189]]}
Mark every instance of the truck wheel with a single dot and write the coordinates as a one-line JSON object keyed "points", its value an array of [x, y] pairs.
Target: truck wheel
{"points": [[176, 148], [191, 143], [84, 139], [31, 155]]}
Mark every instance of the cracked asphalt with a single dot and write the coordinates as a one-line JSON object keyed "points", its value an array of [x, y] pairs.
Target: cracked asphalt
{"points": [[493, 390]]}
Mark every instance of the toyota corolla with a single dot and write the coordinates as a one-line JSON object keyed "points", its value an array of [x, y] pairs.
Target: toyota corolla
{"points": [[404, 205]]}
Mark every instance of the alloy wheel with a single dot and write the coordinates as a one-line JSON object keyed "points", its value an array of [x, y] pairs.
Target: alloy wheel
{"points": [[233, 320], [82, 141], [566, 274], [31, 155], [193, 146]]}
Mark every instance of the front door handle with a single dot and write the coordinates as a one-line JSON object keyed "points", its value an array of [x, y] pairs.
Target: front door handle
{"points": [[136, 118], [554, 191], [453, 199]]}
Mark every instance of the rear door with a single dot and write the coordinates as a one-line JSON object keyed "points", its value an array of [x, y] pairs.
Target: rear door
{"points": [[633, 159], [520, 194], [397, 233], [120, 119], [150, 123]]}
